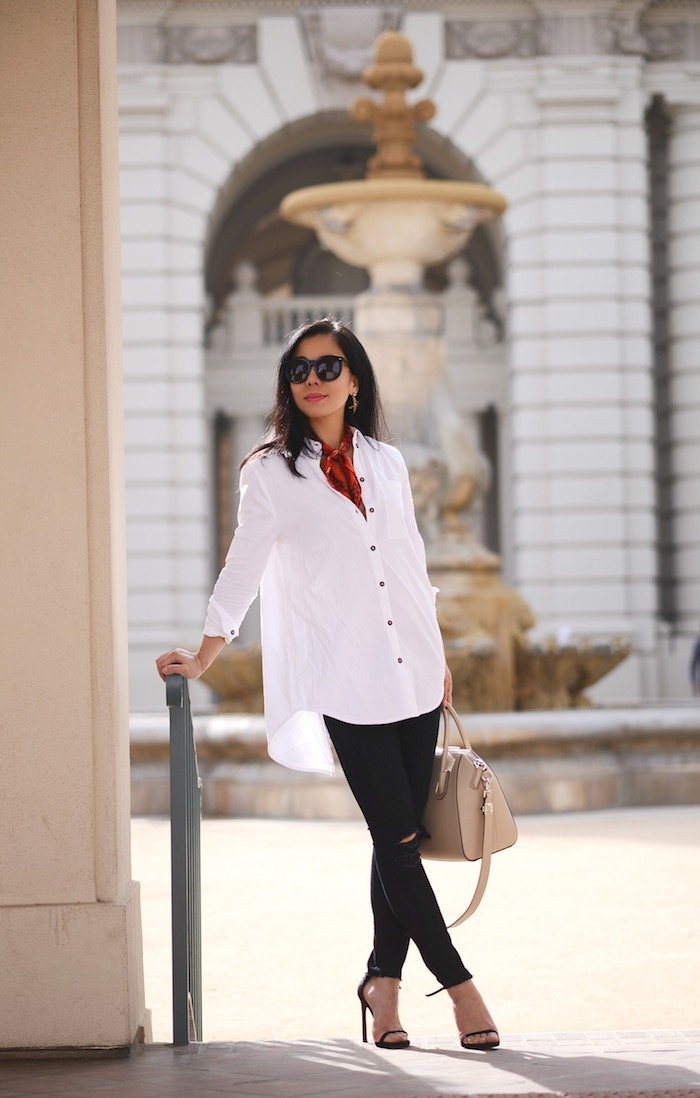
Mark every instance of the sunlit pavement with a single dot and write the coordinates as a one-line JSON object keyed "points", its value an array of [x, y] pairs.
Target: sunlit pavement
{"points": [[586, 948], [590, 922]]}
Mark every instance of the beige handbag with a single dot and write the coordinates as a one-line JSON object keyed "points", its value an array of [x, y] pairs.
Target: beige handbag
{"points": [[467, 815]]}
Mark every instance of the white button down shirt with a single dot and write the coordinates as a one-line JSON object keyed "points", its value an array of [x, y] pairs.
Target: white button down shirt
{"points": [[349, 627]]}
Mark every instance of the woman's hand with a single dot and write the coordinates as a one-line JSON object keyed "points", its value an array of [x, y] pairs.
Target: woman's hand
{"points": [[447, 695], [179, 662]]}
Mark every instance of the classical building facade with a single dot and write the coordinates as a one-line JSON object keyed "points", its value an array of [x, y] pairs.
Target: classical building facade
{"points": [[572, 325]]}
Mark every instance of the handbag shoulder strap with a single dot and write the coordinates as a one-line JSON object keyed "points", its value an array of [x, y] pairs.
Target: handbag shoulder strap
{"points": [[487, 809], [485, 863]]}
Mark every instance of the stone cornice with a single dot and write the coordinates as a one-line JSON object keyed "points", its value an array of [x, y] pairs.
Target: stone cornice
{"points": [[182, 44], [224, 31], [195, 11], [634, 30]]}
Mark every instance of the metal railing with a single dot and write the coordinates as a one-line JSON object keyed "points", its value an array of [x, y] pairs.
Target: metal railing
{"points": [[185, 862]]}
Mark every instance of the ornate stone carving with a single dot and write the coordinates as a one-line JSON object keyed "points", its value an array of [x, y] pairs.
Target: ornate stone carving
{"points": [[553, 676], [631, 36], [340, 39], [621, 34], [665, 42], [628, 36], [340, 42], [488, 39], [393, 73], [210, 45]]}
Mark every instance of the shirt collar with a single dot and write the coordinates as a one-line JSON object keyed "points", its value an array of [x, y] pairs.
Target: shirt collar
{"points": [[315, 445]]}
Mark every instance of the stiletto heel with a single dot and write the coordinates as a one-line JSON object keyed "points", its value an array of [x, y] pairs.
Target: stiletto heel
{"points": [[382, 1042]]}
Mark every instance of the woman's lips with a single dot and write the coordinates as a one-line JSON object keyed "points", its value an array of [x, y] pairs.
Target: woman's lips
{"points": [[315, 397]]}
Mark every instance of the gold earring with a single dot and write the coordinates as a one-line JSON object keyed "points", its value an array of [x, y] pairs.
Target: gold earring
{"points": [[353, 403]]}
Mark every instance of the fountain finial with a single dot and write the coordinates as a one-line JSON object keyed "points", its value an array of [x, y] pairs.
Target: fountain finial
{"points": [[393, 73]]}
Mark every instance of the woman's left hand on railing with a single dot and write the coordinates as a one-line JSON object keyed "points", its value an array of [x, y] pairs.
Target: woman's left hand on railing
{"points": [[178, 661]]}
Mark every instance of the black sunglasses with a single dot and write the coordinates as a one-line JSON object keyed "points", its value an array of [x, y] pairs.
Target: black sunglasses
{"points": [[327, 367]]}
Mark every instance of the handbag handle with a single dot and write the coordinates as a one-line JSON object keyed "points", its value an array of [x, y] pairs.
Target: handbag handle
{"points": [[487, 808], [445, 743]]}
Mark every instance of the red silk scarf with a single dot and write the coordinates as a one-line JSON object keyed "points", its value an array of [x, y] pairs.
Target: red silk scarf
{"points": [[340, 473]]}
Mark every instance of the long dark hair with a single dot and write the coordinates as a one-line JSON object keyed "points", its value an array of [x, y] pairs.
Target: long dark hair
{"points": [[289, 427]]}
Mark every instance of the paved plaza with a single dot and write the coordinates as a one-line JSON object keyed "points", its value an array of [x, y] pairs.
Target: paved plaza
{"points": [[586, 948], [652, 1064], [590, 922]]}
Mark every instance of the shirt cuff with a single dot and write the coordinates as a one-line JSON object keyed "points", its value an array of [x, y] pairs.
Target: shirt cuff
{"points": [[218, 623]]}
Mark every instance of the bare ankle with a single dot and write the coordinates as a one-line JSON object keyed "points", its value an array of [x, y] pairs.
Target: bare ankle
{"points": [[457, 990]]}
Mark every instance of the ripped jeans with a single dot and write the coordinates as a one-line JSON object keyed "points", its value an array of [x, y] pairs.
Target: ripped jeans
{"points": [[388, 768]]}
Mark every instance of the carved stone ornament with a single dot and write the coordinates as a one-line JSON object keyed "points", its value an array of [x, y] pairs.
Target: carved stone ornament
{"points": [[665, 42], [489, 39], [627, 36], [621, 34], [340, 42], [630, 36], [393, 73], [210, 45]]}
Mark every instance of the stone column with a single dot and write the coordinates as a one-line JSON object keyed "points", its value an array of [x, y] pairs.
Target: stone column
{"points": [[70, 934], [581, 383], [684, 362]]}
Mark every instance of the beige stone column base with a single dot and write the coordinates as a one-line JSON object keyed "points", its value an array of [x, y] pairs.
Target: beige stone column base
{"points": [[69, 977]]}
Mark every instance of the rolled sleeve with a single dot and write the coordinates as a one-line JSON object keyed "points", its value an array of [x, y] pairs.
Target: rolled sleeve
{"points": [[247, 557]]}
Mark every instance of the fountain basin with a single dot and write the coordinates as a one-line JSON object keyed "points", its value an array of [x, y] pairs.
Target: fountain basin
{"points": [[536, 674], [554, 676], [393, 227], [559, 761]]}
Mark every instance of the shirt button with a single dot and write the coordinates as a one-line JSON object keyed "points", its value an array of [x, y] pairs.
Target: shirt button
{"points": [[400, 660], [233, 632], [390, 623], [373, 547], [381, 583], [371, 510], [362, 480]]}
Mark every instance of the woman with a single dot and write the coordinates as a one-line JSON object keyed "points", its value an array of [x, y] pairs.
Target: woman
{"points": [[350, 640]]}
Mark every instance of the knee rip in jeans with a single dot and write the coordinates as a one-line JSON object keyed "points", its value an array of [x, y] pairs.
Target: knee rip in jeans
{"points": [[405, 854]]}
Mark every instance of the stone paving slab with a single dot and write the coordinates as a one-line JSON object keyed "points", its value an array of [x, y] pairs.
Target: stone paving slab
{"points": [[648, 1064]]}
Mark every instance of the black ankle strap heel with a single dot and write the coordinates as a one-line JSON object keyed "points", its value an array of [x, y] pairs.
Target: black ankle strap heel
{"points": [[364, 1006]]}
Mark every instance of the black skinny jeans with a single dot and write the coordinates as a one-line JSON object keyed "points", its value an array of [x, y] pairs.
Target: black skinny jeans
{"points": [[388, 768]]}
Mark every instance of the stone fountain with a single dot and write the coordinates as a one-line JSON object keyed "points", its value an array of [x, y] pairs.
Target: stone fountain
{"points": [[395, 223]]}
